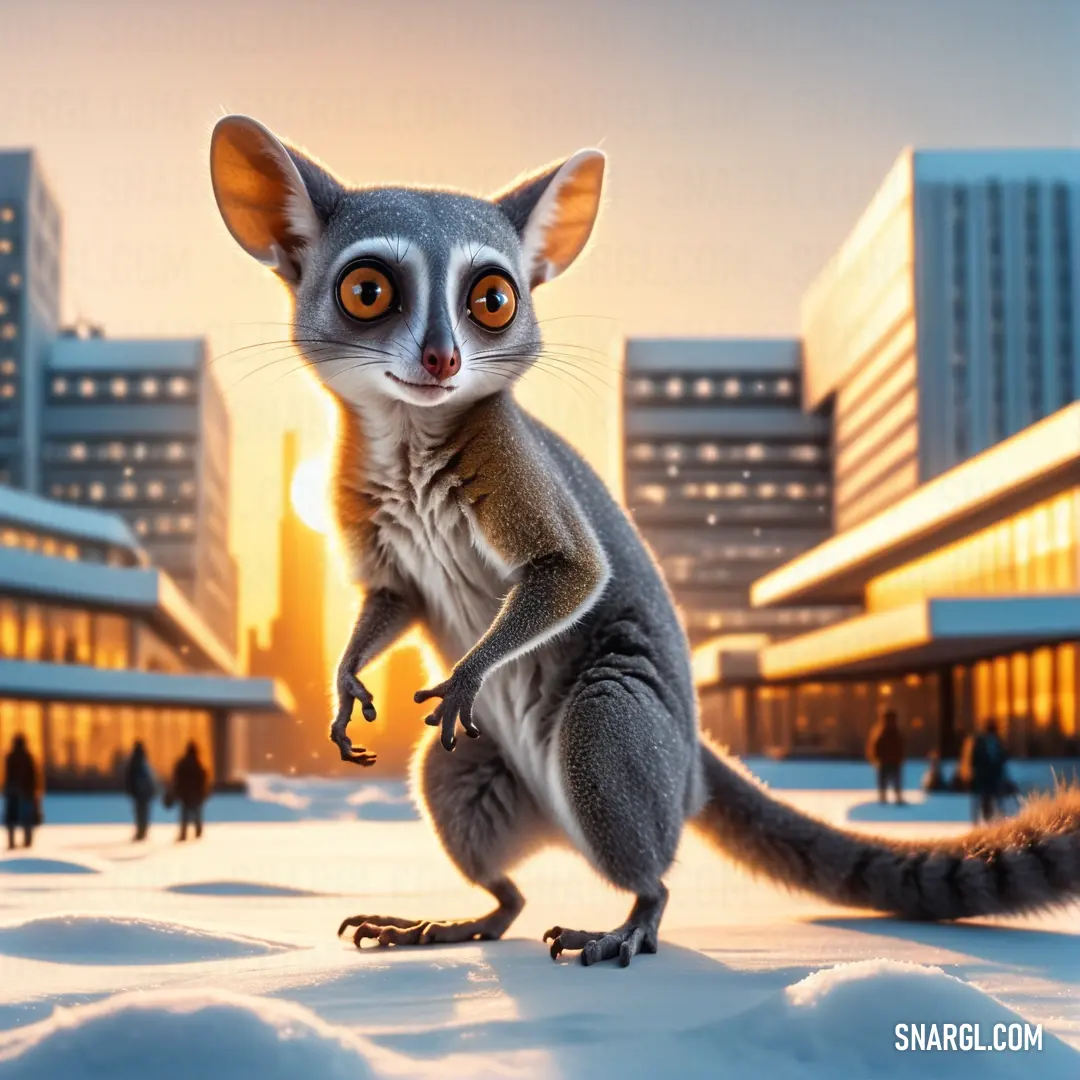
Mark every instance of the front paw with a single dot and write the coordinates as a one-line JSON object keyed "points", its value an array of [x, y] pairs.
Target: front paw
{"points": [[458, 694], [350, 689]]}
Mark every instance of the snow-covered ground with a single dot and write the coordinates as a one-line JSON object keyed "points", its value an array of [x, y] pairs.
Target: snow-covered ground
{"points": [[219, 958]]}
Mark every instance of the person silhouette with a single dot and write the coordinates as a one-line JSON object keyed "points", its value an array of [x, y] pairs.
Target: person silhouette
{"points": [[21, 792], [189, 789], [140, 784]]}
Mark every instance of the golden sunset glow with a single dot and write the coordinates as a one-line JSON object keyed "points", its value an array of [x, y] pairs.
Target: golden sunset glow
{"points": [[308, 494]]}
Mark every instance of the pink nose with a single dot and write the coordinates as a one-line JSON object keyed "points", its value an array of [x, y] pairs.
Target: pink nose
{"points": [[442, 362]]}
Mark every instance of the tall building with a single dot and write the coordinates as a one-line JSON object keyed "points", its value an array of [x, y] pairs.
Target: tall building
{"points": [[295, 652], [946, 322], [29, 309], [140, 427], [942, 335], [98, 649], [725, 475]]}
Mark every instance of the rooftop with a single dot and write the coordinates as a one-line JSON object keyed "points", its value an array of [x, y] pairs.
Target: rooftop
{"points": [[713, 354], [1040, 459], [60, 519], [126, 354]]}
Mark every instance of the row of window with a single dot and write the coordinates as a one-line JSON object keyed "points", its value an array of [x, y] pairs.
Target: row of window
{"points": [[117, 450], [125, 491], [740, 619], [164, 525], [711, 452], [658, 494], [704, 388], [121, 386], [11, 536]]}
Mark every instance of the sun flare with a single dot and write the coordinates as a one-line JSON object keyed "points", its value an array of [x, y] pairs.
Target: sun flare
{"points": [[308, 494]]}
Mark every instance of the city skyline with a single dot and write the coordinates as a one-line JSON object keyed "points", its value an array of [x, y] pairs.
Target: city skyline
{"points": [[729, 189]]}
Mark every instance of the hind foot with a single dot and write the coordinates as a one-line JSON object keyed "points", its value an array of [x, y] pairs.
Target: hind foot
{"points": [[388, 930], [639, 934]]}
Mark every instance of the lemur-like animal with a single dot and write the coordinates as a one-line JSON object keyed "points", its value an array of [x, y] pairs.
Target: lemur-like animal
{"points": [[461, 512]]}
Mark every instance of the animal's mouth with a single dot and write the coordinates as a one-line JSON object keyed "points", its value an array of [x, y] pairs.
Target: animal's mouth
{"points": [[429, 387]]}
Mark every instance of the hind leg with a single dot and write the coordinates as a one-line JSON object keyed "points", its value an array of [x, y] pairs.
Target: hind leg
{"points": [[626, 767], [487, 822]]}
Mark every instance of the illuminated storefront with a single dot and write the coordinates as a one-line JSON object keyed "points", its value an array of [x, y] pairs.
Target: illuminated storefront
{"points": [[970, 588], [98, 650]]}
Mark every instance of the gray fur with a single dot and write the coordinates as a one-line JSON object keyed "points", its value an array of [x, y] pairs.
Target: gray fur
{"points": [[570, 667]]}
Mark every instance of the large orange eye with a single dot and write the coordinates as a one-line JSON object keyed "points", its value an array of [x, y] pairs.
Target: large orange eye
{"points": [[492, 301], [365, 292]]}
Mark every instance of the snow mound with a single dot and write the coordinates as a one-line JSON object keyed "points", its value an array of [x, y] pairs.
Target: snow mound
{"points": [[319, 799], [236, 888], [177, 1035], [842, 1021], [96, 939], [29, 865]]}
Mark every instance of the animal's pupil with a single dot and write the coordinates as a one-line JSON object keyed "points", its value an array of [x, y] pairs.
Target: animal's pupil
{"points": [[368, 292], [494, 300]]}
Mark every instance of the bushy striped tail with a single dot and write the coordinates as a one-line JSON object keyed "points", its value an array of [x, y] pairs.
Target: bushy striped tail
{"points": [[1026, 863]]}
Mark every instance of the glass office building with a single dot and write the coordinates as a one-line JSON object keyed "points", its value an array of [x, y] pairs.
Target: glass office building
{"points": [[941, 336], [140, 427], [724, 475], [946, 321], [29, 309], [98, 649]]}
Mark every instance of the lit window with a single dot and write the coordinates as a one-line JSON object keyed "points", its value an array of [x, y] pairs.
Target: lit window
{"points": [[652, 493], [114, 451], [674, 388], [672, 452], [77, 451], [767, 491], [796, 491], [119, 387], [71, 552], [755, 452], [735, 491], [187, 488], [642, 451], [7, 390], [185, 523], [821, 490], [74, 491], [703, 387], [6, 247], [759, 387], [163, 524], [87, 388], [7, 214], [149, 386], [138, 451], [141, 526], [96, 491], [642, 388], [711, 491], [9, 538], [7, 366], [155, 489], [59, 386], [3, 306], [672, 470], [708, 452], [711, 519], [691, 491], [805, 453], [14, 279], [56, 491], [731, 388], [174, 451], [127, 490], [179, 386], [9, 332], [784, 387]]}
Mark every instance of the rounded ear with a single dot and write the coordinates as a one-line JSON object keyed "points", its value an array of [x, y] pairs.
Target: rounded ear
{"points": [[554, 212], [262, 196]]}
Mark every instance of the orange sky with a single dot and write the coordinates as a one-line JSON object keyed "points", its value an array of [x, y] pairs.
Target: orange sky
{"points": [[744, 139]]}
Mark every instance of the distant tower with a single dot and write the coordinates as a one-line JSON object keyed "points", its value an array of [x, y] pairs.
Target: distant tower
{"points": [[29, 309], [295, 650]]}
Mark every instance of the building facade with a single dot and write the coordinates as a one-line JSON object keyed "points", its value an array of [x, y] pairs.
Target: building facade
{"points": [[724, 474], [140, 427], [946, 322], [295, 651], [29, 309], [98, 649], [941, 337]]}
